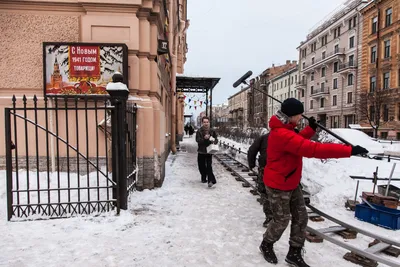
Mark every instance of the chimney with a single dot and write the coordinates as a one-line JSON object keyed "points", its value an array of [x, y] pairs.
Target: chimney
{"points": [[287, 62], [294, 61], [273, 65]]}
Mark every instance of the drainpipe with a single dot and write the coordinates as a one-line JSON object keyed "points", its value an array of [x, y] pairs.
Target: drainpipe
{"points": [[173, 39], [172, 50]]}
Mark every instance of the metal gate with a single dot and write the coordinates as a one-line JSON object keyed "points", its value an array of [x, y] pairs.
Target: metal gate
{"points": [[64, 156]]}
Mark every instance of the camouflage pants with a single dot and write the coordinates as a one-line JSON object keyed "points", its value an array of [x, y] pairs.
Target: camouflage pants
{"points": [[263, 193], [286, 205]]}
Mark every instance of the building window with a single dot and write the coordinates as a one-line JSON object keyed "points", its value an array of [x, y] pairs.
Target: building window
{"points": [[388, 19], [386, 80], [336, 49], [292, 79], [323, 55], [322, 87], [295, 78], [334, 100], [322, 102], [373, 54], [311, 104], [374, 26], [384, 135], [304, 52], [372, 84], [323, 72], [312, 76], [313, 47], [350, 79], [352, 22], [372, 113], [385, 113], [312, 89], [351, 60], [335, 83], [304, 65], [335, 66], [387, 49], [349, 97], [351, 42], [302, 93], [334, 121], [398, 111], [324, 40], [312, 60], [336, 32], [349, 119]]}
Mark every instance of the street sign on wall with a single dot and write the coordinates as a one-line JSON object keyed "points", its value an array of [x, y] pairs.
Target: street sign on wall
{"points": [[82, 68]]}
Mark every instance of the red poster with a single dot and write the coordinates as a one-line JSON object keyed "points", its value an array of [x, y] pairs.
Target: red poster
{"points": [[84, 61]]}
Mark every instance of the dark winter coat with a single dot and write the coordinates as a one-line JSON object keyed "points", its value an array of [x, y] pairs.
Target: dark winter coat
{"points": [[204, 143], [259, 145], [286, 150]]}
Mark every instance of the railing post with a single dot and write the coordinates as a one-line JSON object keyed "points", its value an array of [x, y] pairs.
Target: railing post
{"points": [[8, 163], [118, 118]]}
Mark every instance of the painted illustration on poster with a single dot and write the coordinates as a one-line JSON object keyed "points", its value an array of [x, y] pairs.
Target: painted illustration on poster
{"points": [[81, 68]]}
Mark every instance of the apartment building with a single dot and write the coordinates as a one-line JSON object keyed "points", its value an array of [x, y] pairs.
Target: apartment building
{"points": [[282, 86], [380, 69], [328, 66], [258, 102], [238, 113]]}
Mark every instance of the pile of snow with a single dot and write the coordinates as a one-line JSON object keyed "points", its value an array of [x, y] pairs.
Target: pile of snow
{"points": [[356, 137]]}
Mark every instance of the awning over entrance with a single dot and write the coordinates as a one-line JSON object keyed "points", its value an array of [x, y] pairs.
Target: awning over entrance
{"points": [[200, 85], [195, 84]]}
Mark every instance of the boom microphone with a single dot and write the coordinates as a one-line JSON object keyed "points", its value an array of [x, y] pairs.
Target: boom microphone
{"points": [[243, 78]]}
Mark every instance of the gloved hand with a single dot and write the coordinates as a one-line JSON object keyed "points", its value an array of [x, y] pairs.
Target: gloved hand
{"points": [[358, 150], [312, 123], [211, 139]]}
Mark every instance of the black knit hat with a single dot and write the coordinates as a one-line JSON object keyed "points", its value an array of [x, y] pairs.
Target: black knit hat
{"points": [[292, 107]]}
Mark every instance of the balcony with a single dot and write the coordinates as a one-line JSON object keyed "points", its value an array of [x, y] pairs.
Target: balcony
{"points": [[300, 84], [327, 58], [347, 67], [320, 92], [386, 63]]}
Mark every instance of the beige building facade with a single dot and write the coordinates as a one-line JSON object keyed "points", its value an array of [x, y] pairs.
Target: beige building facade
{"points": [[329, 67], [281, 87], [238, 108], [139, 24]]}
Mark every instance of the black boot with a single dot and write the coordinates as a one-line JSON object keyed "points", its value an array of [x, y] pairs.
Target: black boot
{"points": [[268, 252], [203, 179], [295, 258]]}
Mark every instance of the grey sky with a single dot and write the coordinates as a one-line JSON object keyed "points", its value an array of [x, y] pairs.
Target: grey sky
{"points": [[226, 38]]}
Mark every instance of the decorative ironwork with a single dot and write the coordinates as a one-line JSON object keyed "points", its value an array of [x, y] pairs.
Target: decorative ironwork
{"points": [[61, 164]]}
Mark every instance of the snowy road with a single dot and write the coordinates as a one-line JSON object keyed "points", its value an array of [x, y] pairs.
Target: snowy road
{"points": [[184, 223]]}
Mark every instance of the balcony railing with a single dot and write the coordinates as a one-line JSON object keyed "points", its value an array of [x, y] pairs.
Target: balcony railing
{"points": [[301, 83], [325, 56], [320, 91], [348, 65]]}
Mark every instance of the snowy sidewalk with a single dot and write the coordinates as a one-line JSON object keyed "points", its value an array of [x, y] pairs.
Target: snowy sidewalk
{"points": [[184, 223]]}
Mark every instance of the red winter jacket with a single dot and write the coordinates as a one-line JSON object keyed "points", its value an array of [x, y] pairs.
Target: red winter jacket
{"points": [[286, 150]]}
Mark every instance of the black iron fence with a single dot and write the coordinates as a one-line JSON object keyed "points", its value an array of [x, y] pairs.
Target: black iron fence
{"points": [[69, 158]]}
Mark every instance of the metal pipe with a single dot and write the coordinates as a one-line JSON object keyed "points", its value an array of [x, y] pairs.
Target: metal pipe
{"points": [[390, 179]]}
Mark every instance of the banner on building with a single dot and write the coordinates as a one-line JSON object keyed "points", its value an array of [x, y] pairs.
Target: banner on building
{"points": [[82, 68]]}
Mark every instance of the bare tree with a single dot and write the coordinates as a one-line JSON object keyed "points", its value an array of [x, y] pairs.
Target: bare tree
{"points": [[374, 108]]}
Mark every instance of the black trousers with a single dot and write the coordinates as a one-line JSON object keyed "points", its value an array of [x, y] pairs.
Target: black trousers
{"points": [[205, 167]]}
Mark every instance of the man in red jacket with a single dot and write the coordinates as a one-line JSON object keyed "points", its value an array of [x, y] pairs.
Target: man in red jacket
{"points": [[282, 175]]}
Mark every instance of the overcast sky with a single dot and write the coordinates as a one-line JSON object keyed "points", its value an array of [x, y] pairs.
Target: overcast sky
{"points": [[226, 38]]}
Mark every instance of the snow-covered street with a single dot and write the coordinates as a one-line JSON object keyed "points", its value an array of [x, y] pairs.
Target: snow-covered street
{"points": [[184, 223]]}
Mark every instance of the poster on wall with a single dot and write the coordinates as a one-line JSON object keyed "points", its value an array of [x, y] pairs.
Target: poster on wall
{"points": [[82, 68]]}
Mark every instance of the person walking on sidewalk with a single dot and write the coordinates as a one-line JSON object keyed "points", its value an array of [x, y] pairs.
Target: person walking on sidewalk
{"points": [[260, 146], [282, 176], [205, 137]]}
